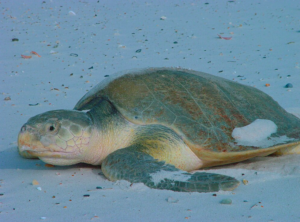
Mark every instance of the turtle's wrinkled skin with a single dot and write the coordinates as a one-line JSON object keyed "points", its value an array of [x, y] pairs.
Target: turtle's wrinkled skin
{"points": [[156, 125]]}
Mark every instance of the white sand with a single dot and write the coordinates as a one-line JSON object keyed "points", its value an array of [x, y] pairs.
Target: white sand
{"points": [[159, 176], [258, 133], [258, 130], [107, 37]]}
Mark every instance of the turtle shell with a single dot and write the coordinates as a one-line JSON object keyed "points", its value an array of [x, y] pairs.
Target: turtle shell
{"points": [[203, 109]]}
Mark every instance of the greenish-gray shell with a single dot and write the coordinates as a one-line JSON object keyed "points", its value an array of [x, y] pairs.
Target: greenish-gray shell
{"points": [[203, 109]]}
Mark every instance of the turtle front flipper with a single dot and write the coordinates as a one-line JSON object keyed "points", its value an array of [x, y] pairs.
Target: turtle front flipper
{"points": [[136, 166]]}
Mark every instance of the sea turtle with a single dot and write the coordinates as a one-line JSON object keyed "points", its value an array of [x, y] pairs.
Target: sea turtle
{"points": [[156, 125]]}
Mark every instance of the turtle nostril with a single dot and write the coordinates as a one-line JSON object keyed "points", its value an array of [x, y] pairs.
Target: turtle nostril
{"points": [[23, 129]]}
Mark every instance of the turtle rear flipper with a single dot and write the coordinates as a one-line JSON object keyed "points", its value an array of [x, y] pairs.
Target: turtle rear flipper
{"points": [[136, 166]]}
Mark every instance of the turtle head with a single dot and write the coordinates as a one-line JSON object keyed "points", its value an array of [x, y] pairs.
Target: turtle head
{"points": [[58, 137]]}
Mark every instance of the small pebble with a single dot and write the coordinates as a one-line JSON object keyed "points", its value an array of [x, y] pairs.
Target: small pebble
{"points": [[163, 18], [72, 13], [289, 85], [245, 182], [91, 67], [138, 51], [74, 54], [106, 76], [99, 188], [172, 200], [39, 188], [7, 98], [226, 201], [43, 218], [1, 194], [35, 182], [86, 195], [34, 104], [14, 40]]}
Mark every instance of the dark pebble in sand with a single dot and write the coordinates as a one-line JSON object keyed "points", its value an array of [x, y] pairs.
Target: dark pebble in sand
{"points": [[226, 201], [34, 104], [289, 85], [14, 40], [74, 54]]}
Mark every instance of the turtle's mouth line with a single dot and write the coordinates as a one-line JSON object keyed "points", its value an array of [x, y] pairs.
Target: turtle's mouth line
{"points": [[43, 152]]}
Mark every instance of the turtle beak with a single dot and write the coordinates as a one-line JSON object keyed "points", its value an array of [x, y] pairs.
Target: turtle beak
{"points": [[28, 140], [30, 144]]}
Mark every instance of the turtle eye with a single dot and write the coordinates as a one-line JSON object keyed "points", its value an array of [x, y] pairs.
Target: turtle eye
{"points": [[51, 128]]}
